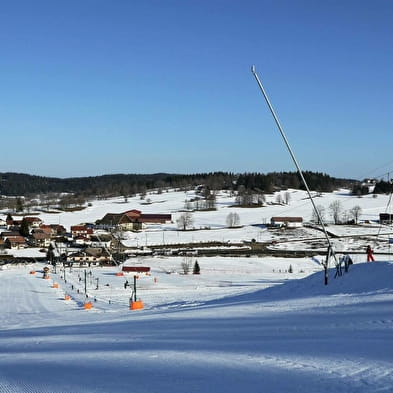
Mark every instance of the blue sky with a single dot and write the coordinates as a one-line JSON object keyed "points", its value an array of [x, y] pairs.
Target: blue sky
{"points": [[92, 87]]}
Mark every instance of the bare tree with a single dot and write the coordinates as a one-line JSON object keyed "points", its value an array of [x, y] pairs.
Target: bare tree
{"points": [[287, 197], [335, 211], [186, 265], [261, 199], [355, 212], [314, 216], [233, 220], [211, 201], [279, 199], [185, 221]]}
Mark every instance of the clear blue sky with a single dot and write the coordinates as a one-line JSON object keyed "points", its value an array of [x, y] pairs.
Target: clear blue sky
{"points": [[91, 87]]}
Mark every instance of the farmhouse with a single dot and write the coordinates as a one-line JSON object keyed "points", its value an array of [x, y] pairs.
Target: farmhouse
{"points": [[289, 222], [121, 220], [137, 215], [133, 220]]}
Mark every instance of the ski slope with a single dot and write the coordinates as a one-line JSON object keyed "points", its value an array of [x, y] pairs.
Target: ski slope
{"points": [[264, 331]]}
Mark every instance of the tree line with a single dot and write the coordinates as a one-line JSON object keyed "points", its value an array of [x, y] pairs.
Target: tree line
{"points": [[17, 184]]}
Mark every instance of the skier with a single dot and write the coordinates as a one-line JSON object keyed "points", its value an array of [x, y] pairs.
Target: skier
{"points": [[370, 256]]}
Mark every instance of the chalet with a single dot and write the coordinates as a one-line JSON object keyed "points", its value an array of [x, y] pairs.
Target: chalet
{"points": [[90, 257], [33, 222], [81, 230], [15, 242], [41, 239], [289, 222]]}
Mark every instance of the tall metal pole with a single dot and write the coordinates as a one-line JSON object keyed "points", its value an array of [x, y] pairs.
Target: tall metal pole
{"points": [[85, 282], [330, 247], [134, 288]]}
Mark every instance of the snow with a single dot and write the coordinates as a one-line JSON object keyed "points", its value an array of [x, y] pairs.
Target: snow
{"points": [[251, 219], [234, 328], [242, 325]]}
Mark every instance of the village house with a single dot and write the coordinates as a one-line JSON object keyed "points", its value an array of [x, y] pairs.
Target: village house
{"points": [[53, 229], [15, 242], [90, 257], [44, 229], [81, 230], [288, 222], [41, 239], [33, 222]]}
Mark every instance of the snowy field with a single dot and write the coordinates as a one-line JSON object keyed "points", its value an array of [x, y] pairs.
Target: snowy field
{"points": [[251, 219], [242, 325]]}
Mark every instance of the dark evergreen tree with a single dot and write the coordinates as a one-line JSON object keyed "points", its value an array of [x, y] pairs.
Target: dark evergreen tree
{"points": [[383, 187], [19, 207], [197, 269], [24, 229]]}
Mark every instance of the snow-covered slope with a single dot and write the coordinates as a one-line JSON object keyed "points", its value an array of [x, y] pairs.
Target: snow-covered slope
{"points": [[298, 336]]}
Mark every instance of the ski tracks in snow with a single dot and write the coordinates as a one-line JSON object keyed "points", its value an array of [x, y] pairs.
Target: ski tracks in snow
{"points": [[343, 375]]}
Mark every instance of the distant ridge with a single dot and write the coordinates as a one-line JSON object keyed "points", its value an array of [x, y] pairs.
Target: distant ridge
{"points": [[129, 184]]}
